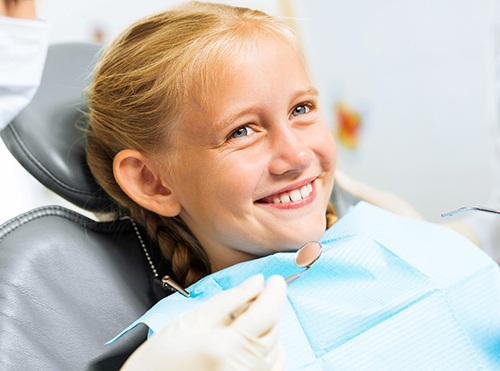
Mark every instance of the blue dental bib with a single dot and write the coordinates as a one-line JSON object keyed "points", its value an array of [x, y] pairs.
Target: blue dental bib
{"points": [[387, 293]]}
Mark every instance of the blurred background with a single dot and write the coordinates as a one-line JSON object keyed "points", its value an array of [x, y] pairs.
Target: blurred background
{"points": [[407, 87]]}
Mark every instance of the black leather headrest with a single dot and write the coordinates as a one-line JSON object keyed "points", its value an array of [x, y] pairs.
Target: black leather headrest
{"points": [[47, 137]]}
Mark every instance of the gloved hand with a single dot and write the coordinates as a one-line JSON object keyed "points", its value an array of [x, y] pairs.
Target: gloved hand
{"points": [[208, 338]]}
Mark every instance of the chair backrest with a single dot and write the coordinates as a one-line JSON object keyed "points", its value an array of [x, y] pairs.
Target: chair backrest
{"points": [[68, 283], [46, 138]]}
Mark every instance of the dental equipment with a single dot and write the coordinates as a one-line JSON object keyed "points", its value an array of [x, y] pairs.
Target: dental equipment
{"points": [[304, 258], [468, 208]]}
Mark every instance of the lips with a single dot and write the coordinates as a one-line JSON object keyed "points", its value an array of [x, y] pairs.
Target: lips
{"points": [[286, 197]]}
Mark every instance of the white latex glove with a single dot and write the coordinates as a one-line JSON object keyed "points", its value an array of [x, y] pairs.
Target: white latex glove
{"points": [[209, 339]]}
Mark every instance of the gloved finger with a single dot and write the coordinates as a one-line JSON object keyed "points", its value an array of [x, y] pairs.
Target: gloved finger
{"points": [[265, 311], [276, 360], [266, 344], [217, 309], [250, 352]]}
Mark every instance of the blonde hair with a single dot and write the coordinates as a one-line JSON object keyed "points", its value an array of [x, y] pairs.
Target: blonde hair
{"points": [[140, 91]]}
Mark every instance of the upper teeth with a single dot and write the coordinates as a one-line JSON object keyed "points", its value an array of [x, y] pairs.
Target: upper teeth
{"points": [[295, 195]]}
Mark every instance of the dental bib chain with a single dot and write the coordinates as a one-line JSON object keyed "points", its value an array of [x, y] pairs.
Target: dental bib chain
{"points": [[167, 283], [143, 245]]}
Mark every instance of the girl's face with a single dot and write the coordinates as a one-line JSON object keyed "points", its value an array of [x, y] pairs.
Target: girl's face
{"points": [[254, 168]]}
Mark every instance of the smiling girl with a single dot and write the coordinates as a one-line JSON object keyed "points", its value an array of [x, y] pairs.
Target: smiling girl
{"points": [[204, 127], [210, 136]]}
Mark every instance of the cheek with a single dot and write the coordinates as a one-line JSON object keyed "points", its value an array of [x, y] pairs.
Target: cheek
{"points": [[325, 148], [332, 150], [222, 178], [239, 176], [187, 172]]}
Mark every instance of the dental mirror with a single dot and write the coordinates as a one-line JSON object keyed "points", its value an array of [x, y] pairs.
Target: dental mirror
{"points": [[305, 257]]}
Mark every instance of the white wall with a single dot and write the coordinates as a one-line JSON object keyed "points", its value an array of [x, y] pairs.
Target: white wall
{"points": [[421, 74], [77, 20]]}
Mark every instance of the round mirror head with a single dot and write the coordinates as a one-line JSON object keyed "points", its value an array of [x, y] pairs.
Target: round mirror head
{"points": [[307, 254]]}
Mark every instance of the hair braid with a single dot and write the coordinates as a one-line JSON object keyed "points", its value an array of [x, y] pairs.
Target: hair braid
{"points": [[331, 215], [188, 259]]}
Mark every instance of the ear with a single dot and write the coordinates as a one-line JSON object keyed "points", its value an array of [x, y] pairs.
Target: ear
{"points": [[141, 180]]}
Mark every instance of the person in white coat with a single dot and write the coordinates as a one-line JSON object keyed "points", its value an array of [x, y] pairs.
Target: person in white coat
{"points": [[23, 49], [23, 45]]}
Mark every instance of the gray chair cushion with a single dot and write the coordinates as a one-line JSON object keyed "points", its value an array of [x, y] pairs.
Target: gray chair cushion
{"points": [[67, 285]]}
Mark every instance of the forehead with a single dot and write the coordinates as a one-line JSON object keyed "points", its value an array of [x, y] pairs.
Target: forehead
{"points": [[230, 64], [255, 84]]}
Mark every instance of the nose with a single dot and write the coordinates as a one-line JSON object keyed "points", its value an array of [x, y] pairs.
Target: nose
{"points": [[290, 154]]}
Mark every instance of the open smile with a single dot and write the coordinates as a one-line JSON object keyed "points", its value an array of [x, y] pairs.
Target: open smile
{"points": [[289, 196]]}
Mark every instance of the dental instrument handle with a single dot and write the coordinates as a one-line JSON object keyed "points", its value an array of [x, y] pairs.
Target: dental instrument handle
{"points": [[469, 208], [296, 275], [242, 308]]}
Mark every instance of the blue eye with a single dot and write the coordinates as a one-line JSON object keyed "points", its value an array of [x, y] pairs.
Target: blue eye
{"points": [[241, 132], [300, 110]]}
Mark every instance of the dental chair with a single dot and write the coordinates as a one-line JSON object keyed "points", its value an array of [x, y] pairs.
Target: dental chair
{"points": [[70, 283]]}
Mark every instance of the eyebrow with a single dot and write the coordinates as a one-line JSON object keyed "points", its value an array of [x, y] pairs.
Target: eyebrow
{"points": [[225, 122], [309, 91]]}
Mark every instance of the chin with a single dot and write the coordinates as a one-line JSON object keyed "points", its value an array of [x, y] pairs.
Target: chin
{"points": [[307, 235]]}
